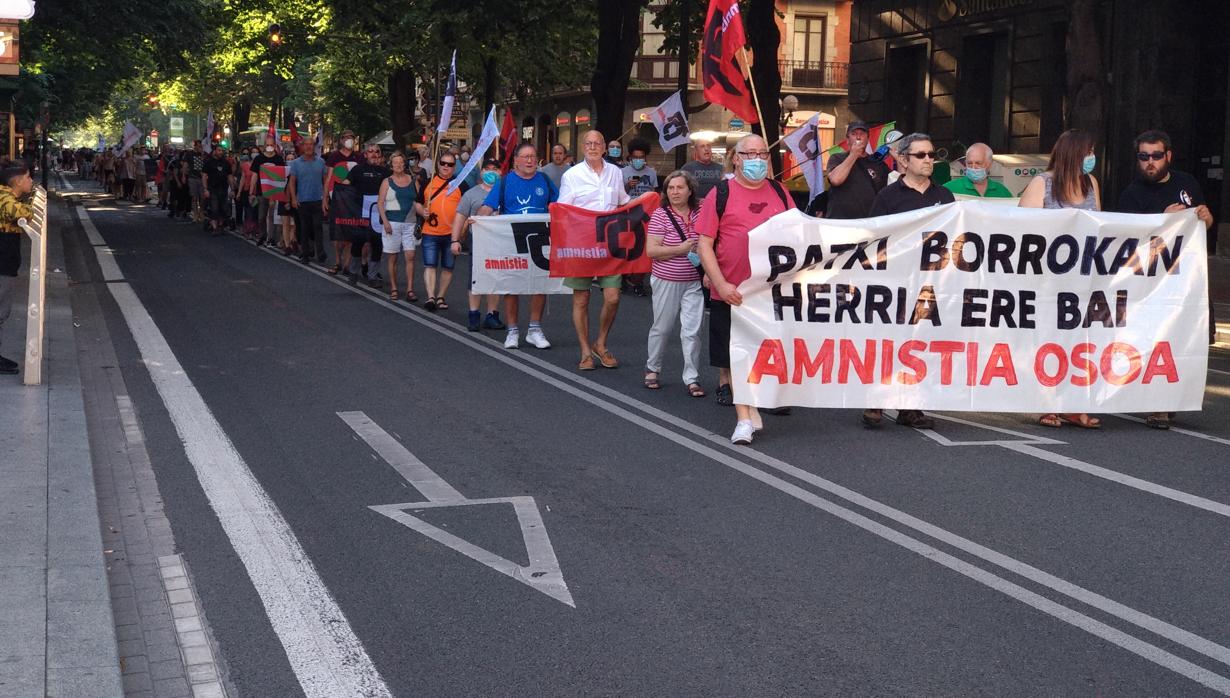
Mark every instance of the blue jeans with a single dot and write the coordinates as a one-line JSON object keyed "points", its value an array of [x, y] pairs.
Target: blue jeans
{"points": [[437, 251]]}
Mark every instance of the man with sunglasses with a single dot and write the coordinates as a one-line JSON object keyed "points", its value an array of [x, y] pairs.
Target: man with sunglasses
{"points": [[363, 255], [854, 178], [1159, 189], [914, 190]]}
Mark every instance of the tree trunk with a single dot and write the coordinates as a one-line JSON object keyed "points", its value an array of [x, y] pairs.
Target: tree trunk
{"points": [[402, 103], [288, 117], [241, 115], [619, 38], [490, 83], [765, 40], [1086, 79]]}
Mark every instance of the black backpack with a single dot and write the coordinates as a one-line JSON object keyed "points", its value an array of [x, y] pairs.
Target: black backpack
{"points": [[723, 194]]}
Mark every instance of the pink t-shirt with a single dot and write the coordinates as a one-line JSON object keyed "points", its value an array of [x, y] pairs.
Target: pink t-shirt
{"points": [[745, 209], [660, 226]]}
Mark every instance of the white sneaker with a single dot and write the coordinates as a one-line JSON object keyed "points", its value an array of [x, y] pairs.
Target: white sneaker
{"points": [[537, 338], [512, 340], [757, 424], [743, 433]]}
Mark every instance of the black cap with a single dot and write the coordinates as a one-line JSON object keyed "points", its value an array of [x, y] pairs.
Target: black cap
{"points": [[855, 125], [491, 162]]}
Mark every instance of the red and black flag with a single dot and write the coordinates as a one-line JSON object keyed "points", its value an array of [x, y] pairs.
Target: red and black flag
{"points": [[508, 141], [721, 48]]}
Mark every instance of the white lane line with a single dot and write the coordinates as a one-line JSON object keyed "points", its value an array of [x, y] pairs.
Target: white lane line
{"points": [[1218, 370], [1180, 430], [326, 656], [415, 471], [91, 232], [590, 391], [1127, 480]]}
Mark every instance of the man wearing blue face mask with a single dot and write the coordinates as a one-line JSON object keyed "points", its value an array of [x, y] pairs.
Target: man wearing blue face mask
{"points": [[639, 178], [976, 180]]}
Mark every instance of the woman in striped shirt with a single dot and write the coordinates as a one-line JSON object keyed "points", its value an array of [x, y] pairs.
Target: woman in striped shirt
{"points": [[675, 280]]}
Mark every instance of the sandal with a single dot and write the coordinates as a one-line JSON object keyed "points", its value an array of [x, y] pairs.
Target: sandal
{"points": [[587, 364], [334, 270], [1050, 420], [393, 295], [411, 297], [1158, 420], [441, 304], [604, 357], [695, 390], [1081, 420], [872, 418], [652, 383], [724, 395], [430, 304]]}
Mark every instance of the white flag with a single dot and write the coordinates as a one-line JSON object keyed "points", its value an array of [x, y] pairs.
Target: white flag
{"points": [[450, 93], [132, 134], [804, 145], [672, 123], [485, 139], [320, 140]]}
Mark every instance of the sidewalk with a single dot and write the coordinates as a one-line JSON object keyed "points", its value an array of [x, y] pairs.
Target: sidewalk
{"points": [[57, 636]]}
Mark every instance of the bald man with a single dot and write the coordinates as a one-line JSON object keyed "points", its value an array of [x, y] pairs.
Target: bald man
{"points": [[976, 180]]}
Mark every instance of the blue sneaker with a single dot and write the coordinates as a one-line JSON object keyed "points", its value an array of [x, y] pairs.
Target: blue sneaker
{"points": [[474, 318], [493, 322]]}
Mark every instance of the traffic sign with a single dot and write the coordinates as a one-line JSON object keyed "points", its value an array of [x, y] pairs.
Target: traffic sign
{"points": [[736, 124]]}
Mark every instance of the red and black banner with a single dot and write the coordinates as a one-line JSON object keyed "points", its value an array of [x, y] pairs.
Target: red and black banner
{"points": [[600, 243]]}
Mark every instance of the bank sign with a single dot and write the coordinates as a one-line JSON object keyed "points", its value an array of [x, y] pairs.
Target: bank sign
{"points": [[948, 10]]}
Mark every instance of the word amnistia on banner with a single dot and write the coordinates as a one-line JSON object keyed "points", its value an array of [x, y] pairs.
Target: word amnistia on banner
{"points": [[512, 255], [955, 307]]}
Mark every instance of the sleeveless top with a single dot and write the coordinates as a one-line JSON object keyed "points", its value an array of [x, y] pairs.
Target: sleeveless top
{"points": [[1049, 201], [399, 201]]}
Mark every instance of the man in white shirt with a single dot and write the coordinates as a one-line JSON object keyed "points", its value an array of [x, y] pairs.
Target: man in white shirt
{"points": [[595, 185]]}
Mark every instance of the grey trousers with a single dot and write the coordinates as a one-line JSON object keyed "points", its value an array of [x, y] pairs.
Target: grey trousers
{"points": [[264, 220], [8, 288], [676, 300]]}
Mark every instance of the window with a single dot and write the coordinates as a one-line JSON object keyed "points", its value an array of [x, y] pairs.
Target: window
{"points": [[808, 39]]}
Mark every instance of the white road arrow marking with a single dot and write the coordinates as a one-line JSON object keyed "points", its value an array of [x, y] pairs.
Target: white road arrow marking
{"points": [[543, 573]]}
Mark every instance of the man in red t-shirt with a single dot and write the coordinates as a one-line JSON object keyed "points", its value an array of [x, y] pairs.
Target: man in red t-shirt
{"points": [[751, 199]]}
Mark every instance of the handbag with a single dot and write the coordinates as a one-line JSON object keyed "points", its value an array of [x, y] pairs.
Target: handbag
{"points": [[693, 257]]}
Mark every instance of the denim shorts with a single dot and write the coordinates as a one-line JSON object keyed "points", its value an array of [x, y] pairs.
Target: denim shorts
{"points": [[437, 251]]}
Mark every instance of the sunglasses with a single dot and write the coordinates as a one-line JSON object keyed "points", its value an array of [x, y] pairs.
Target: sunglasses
{"points": [[447, 164], [1145, 157], [924, 155]]}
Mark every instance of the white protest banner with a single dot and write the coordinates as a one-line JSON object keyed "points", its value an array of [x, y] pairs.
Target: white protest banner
{"points": [[998, 200], [975, 306], [512, 255], [671, 120]]}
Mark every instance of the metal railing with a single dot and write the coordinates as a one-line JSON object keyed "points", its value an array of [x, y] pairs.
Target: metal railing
{"points": [[815, 74], [36, 228]]}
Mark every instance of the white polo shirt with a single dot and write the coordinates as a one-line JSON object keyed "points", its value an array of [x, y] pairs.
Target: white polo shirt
{"points": [[595, 191]]}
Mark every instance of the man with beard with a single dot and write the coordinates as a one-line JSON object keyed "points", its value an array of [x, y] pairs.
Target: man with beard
{"points": [[1159, 189]]}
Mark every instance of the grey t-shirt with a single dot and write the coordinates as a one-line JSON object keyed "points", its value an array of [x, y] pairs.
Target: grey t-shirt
{"points": [[706, 176], [646, 180], [471, 201], [554, 172]]}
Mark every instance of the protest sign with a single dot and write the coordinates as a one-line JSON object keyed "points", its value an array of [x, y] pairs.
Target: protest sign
{"points": [[975, 306], [600, 243], [512, 255]]}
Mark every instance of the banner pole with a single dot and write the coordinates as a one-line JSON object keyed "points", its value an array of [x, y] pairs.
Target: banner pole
{"points": [[747, 69]]}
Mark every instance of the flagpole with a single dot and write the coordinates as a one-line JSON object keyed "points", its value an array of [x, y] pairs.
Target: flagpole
{"points": [[747, 68]]}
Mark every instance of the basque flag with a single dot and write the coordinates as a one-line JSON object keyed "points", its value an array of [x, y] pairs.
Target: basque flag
{"points": [[450, 93], [721, 46]]}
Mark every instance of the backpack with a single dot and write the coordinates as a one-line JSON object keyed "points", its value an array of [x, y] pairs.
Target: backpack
{"points": [[723, 194]]}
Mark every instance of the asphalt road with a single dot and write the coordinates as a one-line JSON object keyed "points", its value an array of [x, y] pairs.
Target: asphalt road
{"points": [[825, 560]]}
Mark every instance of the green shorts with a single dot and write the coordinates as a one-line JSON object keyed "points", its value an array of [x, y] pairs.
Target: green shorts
{"points": [[581, 283]]}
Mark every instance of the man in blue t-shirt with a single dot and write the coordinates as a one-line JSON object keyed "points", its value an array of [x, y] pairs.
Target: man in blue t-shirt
{"points": [[523, 190], [305, 184]]}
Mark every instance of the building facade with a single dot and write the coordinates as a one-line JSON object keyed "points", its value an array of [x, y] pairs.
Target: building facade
{"points": [[813, 59], [998, 71]]}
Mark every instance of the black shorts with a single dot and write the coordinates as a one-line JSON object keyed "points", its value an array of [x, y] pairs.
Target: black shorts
{"points": [[219, 204], [719, 334]]}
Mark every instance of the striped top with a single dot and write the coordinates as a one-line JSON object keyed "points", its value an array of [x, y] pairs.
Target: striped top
{"points": [[675, 268]]}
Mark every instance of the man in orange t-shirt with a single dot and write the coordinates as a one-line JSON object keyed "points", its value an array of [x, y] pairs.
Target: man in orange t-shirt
{"points": [[438, 231]]}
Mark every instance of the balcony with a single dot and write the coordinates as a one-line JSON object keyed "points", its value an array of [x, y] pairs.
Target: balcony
{"points": [[815, 75], [663, 71]]}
